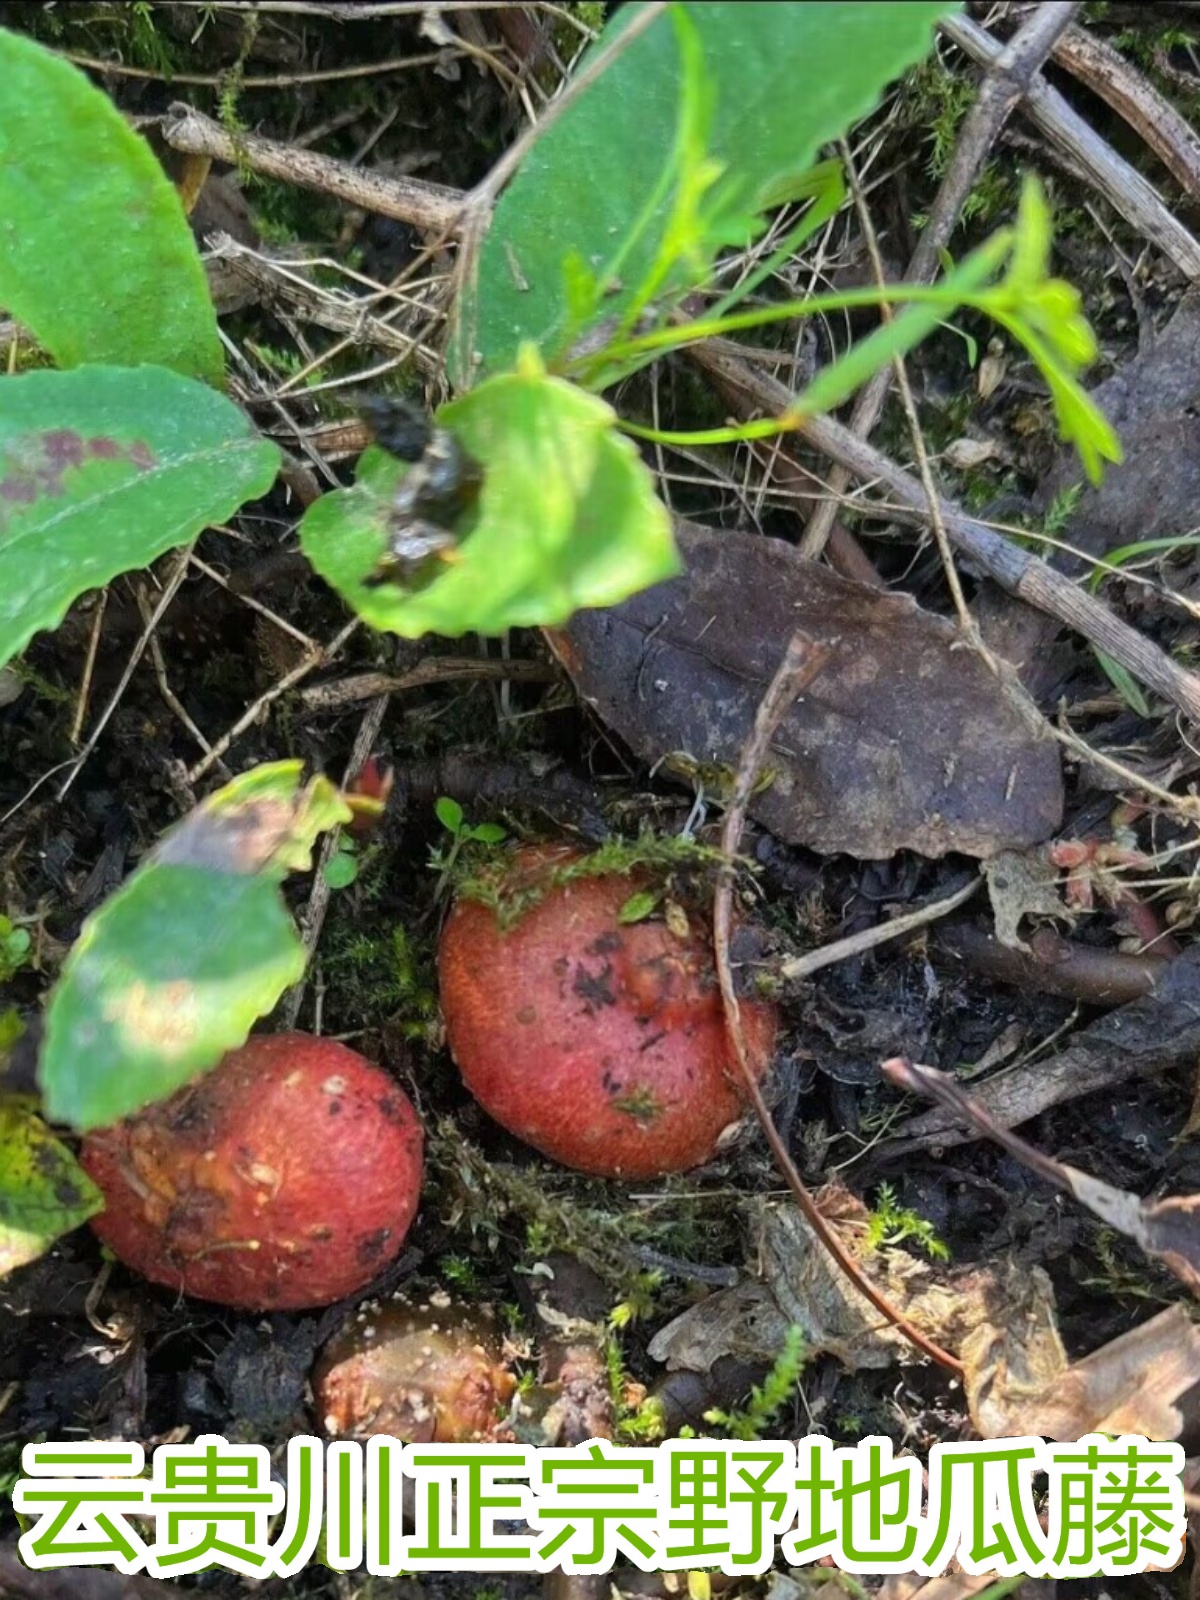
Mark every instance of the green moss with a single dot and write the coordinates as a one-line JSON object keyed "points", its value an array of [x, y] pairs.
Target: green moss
{"points": [[493, 885]]}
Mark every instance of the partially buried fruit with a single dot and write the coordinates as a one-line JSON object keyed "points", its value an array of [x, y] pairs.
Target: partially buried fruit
{"points": [[598, 1039], [423, 1370], [287, 1177]]}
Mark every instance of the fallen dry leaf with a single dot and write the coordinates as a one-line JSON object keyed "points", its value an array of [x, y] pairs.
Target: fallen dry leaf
{"points": [[1019, 1381], [905, 741], [1001, 1320], [803, 1286], [1022, 883]]}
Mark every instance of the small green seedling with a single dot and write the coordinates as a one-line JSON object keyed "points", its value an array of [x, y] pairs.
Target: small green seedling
{"points": [[15, 945], [443, 858], [890, 1223], [341, 869], [767, 1399]]}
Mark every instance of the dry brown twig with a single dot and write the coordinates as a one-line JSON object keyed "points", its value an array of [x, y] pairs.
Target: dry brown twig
{"points": [[1008, 78], [283, 80], [89, 666], [855, 944], [317, 657], [803, 661], [170, 698], [966, 621], [1134, 197], [1107, 73], [170, 589], [282, 281], [432, 206], [437, 669], [313, 919]]}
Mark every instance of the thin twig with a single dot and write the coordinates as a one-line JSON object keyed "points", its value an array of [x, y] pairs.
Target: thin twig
{"points": [[276, 282], [1018, 571], [284, 626], [318, 901], [966, 621], [285, 80], [1106, 72], [317, 657], [803, 660], [1134, 197], [164, 686], [359, 10], [170, 588], [1007, 79], [431, 206], [89, 666], [437, 669], [855, 944]]}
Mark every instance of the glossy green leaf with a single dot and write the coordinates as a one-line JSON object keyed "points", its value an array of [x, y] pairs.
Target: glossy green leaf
{"points": [[567, 518], [96, 256], [603, 185], [449, 813], [44, 1192], [173, 969], [103, 469], [342, 868], [489, 833]]}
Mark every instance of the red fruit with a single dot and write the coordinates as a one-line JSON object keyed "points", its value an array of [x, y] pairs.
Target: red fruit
{"points": [[601, 1044], [287, 1177], [419, 1371]]}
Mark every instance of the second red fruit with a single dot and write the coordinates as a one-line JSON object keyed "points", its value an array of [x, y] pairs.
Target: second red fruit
{"points": [[600, 1042]]}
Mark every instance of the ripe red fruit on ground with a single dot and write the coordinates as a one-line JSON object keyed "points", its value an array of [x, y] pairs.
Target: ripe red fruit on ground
{"points": [[601, 1044], [287, 1177]]}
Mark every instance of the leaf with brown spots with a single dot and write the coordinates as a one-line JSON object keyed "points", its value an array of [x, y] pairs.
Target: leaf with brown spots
{"points": [[906, 740], [102, 470], [173, 969], [43, 1191]]}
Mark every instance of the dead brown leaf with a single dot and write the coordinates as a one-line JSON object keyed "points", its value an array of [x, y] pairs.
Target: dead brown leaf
{"points": [[1019, 1381], [1021, 883], [906, 740], [1018, 1378]]}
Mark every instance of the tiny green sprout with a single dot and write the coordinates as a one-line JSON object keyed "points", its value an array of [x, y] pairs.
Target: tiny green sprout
{"points": [[638, 1303], [767, 1399], [15, 944], [342, 867], [638, 907], [461, 1272], [444, 858], [890, 1223]]}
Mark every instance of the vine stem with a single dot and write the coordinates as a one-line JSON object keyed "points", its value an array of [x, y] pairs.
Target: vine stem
{"points": [[803, 661]]}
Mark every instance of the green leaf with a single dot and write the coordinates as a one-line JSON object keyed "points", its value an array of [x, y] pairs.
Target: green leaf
{"points": [[638, 907], [103, 469], [342, 868], [173, 970], [44, 1192], [488, 833], [449, 813], [567, 518], [605, 179], [96, 256], [1124, 683]]}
